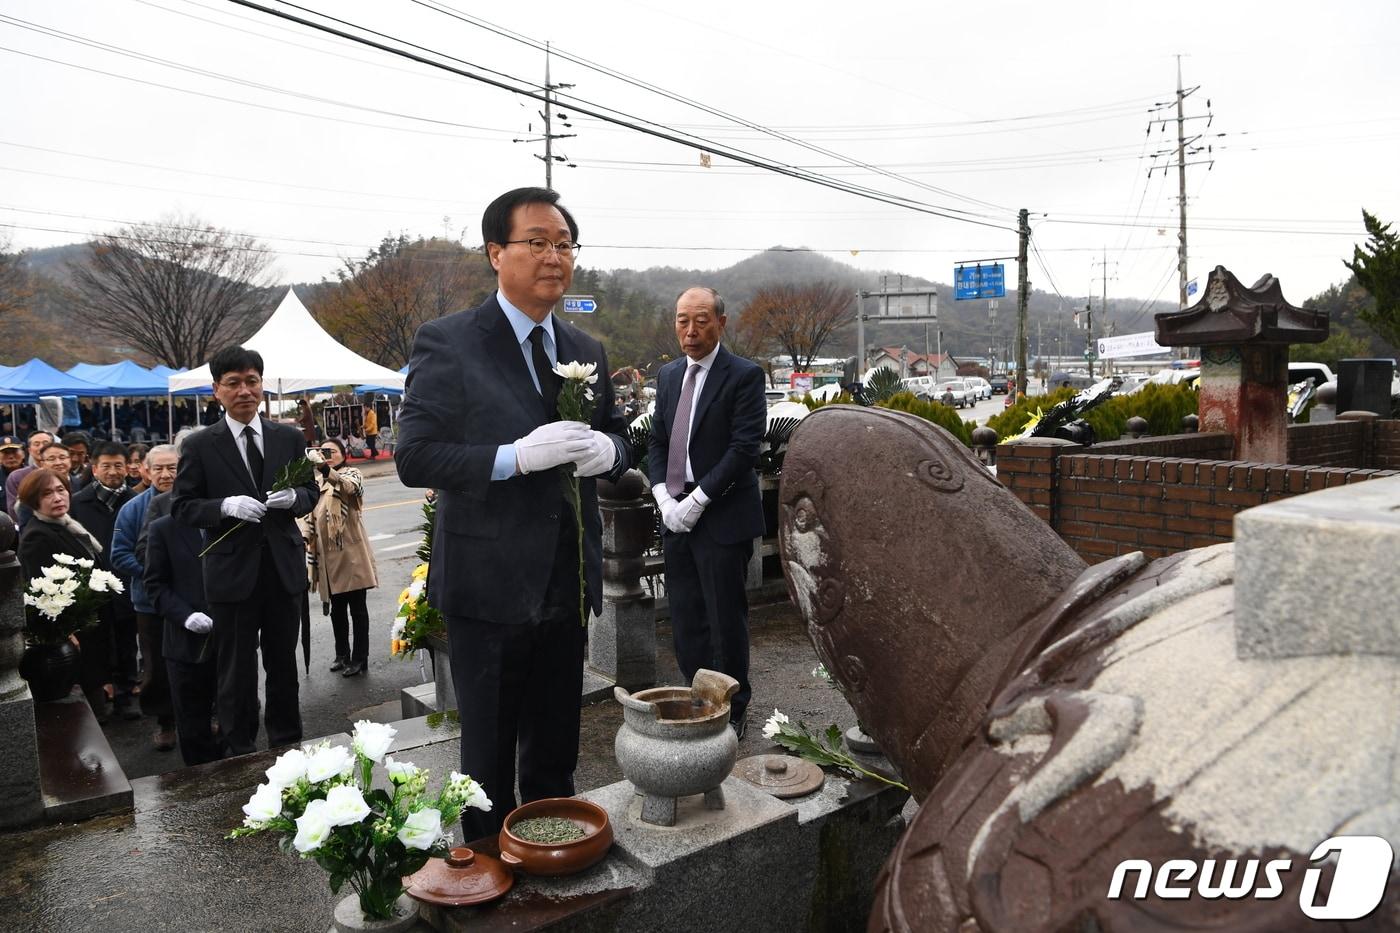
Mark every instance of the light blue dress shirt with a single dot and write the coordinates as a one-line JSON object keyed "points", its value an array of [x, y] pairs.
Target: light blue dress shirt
{"points": [[520, 322]]}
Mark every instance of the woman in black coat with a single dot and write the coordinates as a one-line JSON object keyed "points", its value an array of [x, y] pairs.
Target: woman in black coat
{"points": [[52, 531]]}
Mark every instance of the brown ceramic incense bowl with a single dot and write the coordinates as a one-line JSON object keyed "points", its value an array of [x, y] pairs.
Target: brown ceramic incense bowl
{"points": [[557, 858]]}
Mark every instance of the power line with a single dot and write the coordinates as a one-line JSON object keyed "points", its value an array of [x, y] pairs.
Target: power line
{"points": [[682, 99], [591, 110], [244, 82]]}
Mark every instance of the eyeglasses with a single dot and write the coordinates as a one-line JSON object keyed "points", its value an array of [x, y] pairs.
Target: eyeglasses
{"points": [[539, 245], [233, 385], [330, 451]]}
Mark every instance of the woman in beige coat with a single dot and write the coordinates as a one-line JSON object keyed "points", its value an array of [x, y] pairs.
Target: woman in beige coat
{"points": [[342, 565]]}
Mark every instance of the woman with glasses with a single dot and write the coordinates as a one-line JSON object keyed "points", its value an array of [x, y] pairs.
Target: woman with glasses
{"points": [[341, 561]]}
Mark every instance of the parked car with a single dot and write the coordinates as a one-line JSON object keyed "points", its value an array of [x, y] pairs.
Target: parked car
{"points": [[1320, 373], [962, 395], [983, 387], [922, 386], [999, 384], [774, 396]]}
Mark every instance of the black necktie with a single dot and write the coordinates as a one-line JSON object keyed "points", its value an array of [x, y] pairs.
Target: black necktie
{"points": [[544, 372], [255, 457]]}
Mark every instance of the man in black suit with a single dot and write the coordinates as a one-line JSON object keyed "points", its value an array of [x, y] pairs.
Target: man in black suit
{"points": [[253, 576], [174, 583], [95, 506], [710, 417], [479, 425]]}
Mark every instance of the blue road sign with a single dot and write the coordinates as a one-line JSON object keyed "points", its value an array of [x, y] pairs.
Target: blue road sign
{"points": [[580, 304], [971, 282]]}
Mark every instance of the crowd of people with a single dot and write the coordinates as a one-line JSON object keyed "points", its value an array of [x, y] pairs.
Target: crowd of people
{"points": [[151, 652], [227, 563]]}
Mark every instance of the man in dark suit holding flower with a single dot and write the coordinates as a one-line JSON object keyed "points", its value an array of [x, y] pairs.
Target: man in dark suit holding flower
{"points": [[255, 564], [480, 424]]}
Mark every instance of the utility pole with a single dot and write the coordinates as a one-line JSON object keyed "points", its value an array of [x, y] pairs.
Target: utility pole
{"points": [[1181, 185], [1103, 307], [1022, 300], [549, 158]]}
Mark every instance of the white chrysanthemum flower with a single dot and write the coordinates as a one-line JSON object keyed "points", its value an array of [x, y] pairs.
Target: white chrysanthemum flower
{"points": [[65, 558], [102, 580], [372, 739], [579, 372], [84, 563], [774, 724], [345, 805], [415, 590], [421, 829], [57, 572], [313, 827]]}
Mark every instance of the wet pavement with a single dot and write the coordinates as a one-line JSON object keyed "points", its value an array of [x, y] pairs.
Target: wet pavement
{"points": [[166, 865]]}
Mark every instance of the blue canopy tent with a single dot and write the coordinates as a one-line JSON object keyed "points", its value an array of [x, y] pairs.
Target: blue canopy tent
{"points": [[26, 383], [125, 379], [381, 390]]}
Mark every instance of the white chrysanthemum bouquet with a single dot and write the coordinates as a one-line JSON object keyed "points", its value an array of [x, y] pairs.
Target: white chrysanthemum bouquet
{"points": [[575, 403], [320, 799], [65, 598]]}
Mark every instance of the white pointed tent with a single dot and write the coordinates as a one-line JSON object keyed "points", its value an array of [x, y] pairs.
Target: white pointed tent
{"points": [[298, 355]]}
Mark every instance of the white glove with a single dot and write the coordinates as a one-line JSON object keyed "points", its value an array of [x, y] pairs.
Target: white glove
{"points": [[243, 507], [199, 623], [282, 499], [666, 505], [553, 444], [601, 457], [687, 513]]}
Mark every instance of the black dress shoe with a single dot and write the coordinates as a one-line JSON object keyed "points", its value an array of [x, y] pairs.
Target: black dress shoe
{"points": [[740, 726], [339, 663], [353, 668]]}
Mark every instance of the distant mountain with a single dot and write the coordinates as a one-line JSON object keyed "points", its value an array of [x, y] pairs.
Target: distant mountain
{"points": [[48, 328]]}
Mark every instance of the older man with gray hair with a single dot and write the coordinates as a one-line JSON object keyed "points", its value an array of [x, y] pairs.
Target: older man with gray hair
{"points": [[128, 560]]}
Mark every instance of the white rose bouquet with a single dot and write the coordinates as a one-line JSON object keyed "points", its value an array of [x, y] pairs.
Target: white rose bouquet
{"points": [[320, 799], [65, 598]]}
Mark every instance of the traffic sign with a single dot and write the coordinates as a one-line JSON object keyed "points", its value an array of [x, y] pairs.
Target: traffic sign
{"points": [[580, 304], [987, 281], [1090, 355]]}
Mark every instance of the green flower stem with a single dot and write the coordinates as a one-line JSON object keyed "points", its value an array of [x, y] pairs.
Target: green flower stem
{"points": [[221, 537]]}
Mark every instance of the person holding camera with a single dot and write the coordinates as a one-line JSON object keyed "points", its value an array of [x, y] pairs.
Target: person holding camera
{"points": [[342, 565]]}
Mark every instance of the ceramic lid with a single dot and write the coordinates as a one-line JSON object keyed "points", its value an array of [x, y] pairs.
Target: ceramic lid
{"points": [[464, 877]]}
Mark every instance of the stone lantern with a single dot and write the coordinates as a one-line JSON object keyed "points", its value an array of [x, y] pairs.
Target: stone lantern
{"points": [[1244, 335]]}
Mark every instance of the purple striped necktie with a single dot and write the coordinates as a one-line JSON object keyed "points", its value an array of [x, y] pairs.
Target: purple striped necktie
{"points": [[680, 434]]}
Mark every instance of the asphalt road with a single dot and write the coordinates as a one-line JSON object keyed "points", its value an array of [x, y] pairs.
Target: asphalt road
{"points": [[331, 703]]}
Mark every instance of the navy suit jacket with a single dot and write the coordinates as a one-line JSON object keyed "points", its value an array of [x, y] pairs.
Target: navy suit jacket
{"points": [[175, 585], [211, 468], [731, 416], [468, 392]]}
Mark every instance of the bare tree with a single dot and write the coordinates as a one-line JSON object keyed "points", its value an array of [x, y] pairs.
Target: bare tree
{"points": [[15, 286], [800, 319], [748, 335], [174, 289], [380, 301]]}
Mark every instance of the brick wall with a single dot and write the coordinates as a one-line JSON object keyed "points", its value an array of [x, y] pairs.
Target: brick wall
{"points": [[1106, 504], [1331, 443], [1386, 453]]}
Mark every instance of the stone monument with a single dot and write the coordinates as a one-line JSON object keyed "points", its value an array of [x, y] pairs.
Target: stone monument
{"points": [[1244, 335], [1204, 741], [19, 766]]}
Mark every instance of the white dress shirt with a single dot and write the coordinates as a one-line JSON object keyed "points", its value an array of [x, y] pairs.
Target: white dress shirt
{"points": [[237, 428], [704, 363]]}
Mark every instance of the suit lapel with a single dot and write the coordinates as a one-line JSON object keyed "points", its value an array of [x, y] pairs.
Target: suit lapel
{"points": [[227, 447], [714, 380], [505, 354]]}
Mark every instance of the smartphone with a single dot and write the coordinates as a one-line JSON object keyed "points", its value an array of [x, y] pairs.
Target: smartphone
{"points": [[314, 455]]}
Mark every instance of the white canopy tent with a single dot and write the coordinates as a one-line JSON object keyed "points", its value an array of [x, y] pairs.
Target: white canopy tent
{"points": [[298, 355]]}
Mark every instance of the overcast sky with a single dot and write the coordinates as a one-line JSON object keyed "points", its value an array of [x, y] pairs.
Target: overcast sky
{"points": [[126, 110]]}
